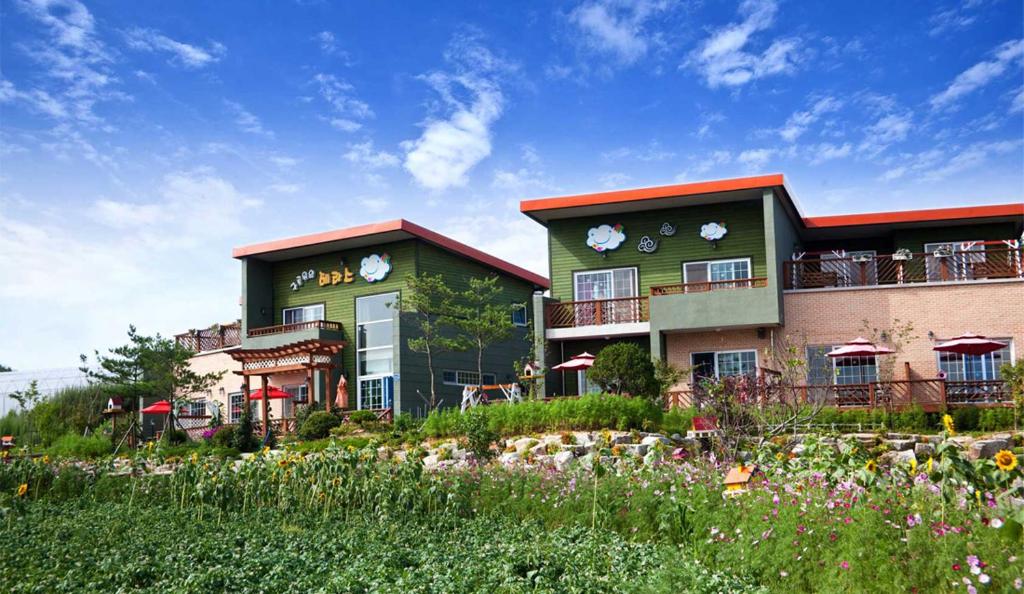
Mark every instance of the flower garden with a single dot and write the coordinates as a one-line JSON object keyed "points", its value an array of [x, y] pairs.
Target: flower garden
{"points": [[824, 514]]}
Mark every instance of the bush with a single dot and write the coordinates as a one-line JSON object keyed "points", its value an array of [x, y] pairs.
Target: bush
{"points": [[479, 434], [625, 368], [318, 425], [223, 436], [71, 445], [678, 420], [363, 417], [175, 436]]}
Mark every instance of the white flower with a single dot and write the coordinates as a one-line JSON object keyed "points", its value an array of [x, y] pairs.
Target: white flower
{"points": [[996, 523], [983, 578]]}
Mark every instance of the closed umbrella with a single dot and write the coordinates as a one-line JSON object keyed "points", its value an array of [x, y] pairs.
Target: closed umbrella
{"points": [[969, 344]]}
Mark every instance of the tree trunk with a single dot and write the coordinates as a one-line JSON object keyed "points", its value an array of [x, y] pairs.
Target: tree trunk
{"points": [[430, 370]]}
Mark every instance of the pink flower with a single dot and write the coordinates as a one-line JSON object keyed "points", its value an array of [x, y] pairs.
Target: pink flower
{"points": [[845, 565]]}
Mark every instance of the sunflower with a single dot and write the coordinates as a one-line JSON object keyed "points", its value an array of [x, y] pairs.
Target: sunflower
{"points": [[780, 457], [931, 464], [283, 462], [1006, 460], [947, 422], [913, 466], [22, 489], [871, 466]]}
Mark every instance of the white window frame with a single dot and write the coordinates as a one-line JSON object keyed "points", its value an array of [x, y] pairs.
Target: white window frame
{"points": [[987, 370], [234, 417], [360, 379], [708, 263], [835, 369], [201, 404], [288, 404], [517, 307], [611, 272], [304, 309], [461, 380], [757, 360]]}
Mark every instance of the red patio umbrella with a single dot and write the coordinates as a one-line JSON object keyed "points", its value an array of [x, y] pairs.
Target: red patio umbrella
{"points": [[580, 361], [969, 344], [859, 347], [275, 394], [158, 408]]}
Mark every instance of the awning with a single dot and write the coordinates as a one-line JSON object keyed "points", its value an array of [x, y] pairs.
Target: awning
{"points": [[969, 344]]}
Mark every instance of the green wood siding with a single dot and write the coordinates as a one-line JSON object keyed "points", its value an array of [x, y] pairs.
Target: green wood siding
{"points": [[569, 252], [340, 299]]}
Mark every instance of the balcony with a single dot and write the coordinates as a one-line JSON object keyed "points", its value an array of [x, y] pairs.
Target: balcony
{"points": [[217, 337], [708, 286], [622, 316], [274, 336], [746, 302], [904, 269]]}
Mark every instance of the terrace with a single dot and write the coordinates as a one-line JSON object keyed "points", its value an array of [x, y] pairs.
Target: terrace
{"points": [[953, 263], [220, 336]]}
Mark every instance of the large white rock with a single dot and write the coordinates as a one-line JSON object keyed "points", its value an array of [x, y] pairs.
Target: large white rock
{"points": [[510, 458], [654, 438], [562, 459], [987, 448], [430, 462]]}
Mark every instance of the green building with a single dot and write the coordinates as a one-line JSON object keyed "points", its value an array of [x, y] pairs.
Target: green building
{"points": [[320, 307]]}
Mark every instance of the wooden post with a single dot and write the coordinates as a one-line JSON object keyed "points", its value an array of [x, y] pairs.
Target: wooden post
{"points": [[327, 387], [871, 394], [263, 404], [942, 393], [598, 312], [309, 386], [245, 390]]}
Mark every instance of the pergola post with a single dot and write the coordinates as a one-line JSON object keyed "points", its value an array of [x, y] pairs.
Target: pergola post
{"points": [[245, 391], [309, 386], [263, 404], [327, 388]]}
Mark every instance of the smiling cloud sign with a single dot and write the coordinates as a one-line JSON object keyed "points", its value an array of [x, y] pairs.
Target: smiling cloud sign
{"points": [[605, 237], [375, 267]]}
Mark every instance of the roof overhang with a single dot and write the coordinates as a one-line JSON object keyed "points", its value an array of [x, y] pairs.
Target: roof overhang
{"points": [[543, 210], [377, 234], [869, 224]]}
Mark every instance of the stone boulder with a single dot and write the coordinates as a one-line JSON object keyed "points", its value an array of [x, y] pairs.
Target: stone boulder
{"points": [[898, 458], [987, 448], [510, 458], [654, 438], [924, 450], [431, 462], [524, 443], [562, 460], [900, 444], [635, 449]]}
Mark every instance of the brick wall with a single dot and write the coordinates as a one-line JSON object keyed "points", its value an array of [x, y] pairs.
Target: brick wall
{"points": [[828, 317]]}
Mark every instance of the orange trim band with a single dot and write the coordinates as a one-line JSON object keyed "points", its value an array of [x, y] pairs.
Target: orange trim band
{"points": [[389, 227], [916, 216], [708, 187]]}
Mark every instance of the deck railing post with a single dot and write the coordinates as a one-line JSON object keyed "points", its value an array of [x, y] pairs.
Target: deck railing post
{"points": [[871, 394], [942, 393]]}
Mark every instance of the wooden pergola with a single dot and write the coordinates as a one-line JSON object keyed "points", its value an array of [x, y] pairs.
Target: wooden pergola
{"points": [[312, 356]]}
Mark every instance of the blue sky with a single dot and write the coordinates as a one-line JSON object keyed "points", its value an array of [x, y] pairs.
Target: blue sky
{"points": [[139, 142]]}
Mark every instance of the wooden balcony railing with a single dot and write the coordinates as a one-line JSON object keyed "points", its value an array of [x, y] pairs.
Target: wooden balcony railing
{"points": [[930, 394], [573, 314], [707, 286], [220, 336], [893, 269], [283, 328]]}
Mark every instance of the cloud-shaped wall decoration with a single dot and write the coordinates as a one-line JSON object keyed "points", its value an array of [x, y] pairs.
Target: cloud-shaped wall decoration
{"points": [[375, 267], [605, 237], [713, 231]]}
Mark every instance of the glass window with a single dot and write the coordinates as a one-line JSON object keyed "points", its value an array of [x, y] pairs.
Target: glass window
{"points": [[519, 314], [371, 393], [695, 273], [375, 353], [375, 361], [458, 377], [197, 408], [376, 308], [960, 368], [819, 367], [235, 402], [595, 285], [299, 392], [375, 334], [730, 270], [855, 370], [723, 364], [959, 265], [305, 313]]}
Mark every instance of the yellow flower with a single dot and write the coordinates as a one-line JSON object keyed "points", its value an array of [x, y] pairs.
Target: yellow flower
{"points": [[194, 457], [947, 422], [870, 466], [46, 459], [780, 457], [931, 464], [22, 489], [265, 450], [335, 481], [283, 462], [913, 466], [1006, 460], [977, 496]]}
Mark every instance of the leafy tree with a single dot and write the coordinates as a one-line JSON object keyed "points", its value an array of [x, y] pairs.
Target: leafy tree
{"points": [[480, 318], [149, 366], [4, 368], [667, 376], [625, 368], [431, 301]]}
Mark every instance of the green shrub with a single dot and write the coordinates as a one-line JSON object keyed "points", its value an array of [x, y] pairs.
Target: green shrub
{"points": [[362, 417], [479, 433], [966, 419], [223, 437], [994, 419], [678, 420], [71, 445], [318, 425], [175, 436], [625, 368], [244, 437]]}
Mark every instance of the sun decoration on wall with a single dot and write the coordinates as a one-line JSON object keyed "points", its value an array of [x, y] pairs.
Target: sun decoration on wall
{"points": [[605, 238], [375, 268]]}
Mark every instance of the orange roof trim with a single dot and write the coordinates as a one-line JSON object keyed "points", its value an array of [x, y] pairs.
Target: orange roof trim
{"points": [[400, 225], [916, 216], [707, 187]]}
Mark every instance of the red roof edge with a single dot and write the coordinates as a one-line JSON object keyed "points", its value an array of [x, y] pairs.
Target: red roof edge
{"points": [[391, 226], [617, 196], [916, 216]]}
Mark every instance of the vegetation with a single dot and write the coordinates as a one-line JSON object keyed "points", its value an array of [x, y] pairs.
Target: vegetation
{"points": [[431, 301], [625, 368], [318, 425], [42, 421], [482, 320], [594, 411], [479, 434]]}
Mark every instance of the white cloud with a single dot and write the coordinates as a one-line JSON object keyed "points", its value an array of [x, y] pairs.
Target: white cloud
{"points": [[363, 154], [348, 109], [614, 180], [828, 152], [327, 42], [513, 238], [971, 157], [374, 204], [345, 125], [617, 27], [893, 174], [756, 158], [650, 153], [954, 18], [705, 163], [798, 123], [283, 188], [723, 60], [284, 161], [1017, 103], [187, 55], [246, 120], [888, 129], [450, 147], [980, 74]]}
